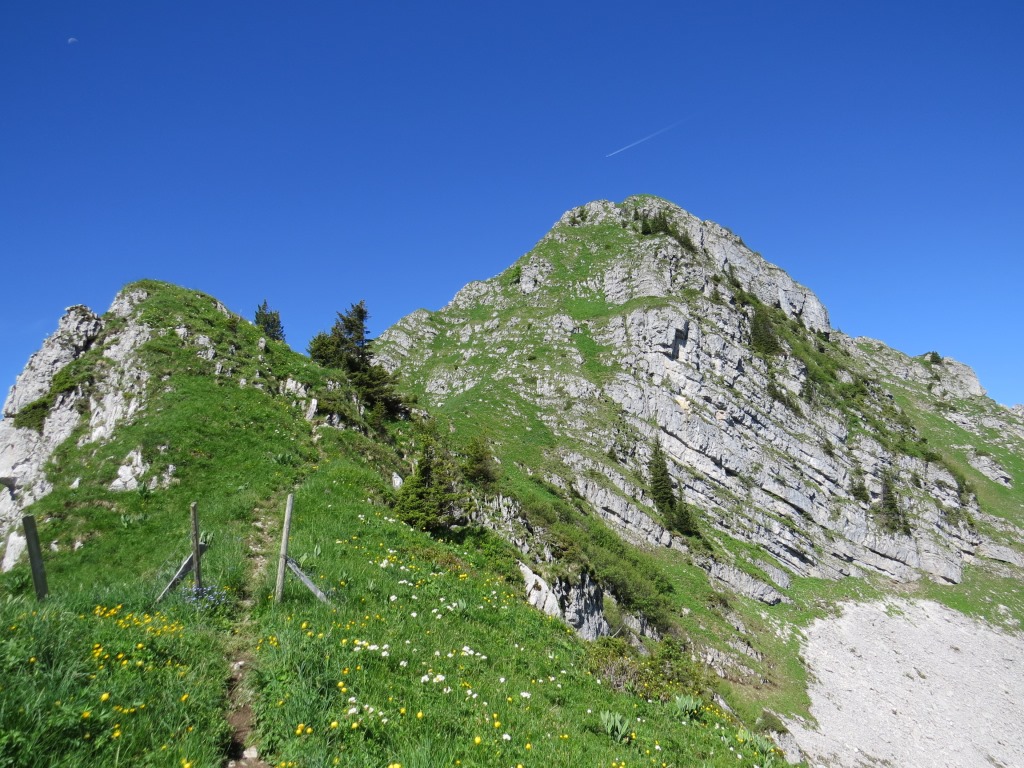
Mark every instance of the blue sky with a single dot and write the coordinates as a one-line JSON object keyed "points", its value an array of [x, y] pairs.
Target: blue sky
{"points": [[317, 153]]}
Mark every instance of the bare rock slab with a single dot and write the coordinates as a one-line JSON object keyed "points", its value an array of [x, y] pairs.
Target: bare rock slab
{"points": [[913, 684]]}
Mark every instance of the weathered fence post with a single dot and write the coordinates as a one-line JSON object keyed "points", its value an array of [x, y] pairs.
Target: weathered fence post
{"points": [[282, 563], [196, 550], [35, 556], [307, 581], [185, 567]]}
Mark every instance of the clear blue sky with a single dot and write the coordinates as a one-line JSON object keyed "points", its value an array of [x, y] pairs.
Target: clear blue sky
{"points": [[319, 153]]}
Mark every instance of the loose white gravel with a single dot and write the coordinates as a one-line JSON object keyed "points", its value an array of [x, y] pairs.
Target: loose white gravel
{"points": [[907, 684]]}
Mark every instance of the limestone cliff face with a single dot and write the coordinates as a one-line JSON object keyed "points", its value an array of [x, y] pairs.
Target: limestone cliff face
{"points": [[634, 323], [106, 396], [24, 451]]}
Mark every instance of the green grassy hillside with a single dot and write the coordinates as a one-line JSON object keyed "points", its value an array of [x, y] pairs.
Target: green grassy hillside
{"points": [[426, 654]]}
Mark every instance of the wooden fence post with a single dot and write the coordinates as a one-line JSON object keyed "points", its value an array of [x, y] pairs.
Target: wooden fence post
{"points": [[35, 556], [185, 567], [282, 563], [196, 550], [307, 581]]}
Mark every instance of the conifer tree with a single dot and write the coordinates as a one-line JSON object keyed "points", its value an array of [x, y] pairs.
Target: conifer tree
{"points": [[348, 348], [677, 514], [269, 321], [480, 467], [661, 482], [683, 520], [432, 497], [890, 514]]}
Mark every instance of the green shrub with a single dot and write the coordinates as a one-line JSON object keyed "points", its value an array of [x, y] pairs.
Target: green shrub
{"points": [[665, 672], [858, 489], [33, 415], [763, 339], [768, 721]]}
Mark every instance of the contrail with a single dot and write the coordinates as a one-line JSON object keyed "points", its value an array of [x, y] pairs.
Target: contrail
{"points": [[646, 138]]}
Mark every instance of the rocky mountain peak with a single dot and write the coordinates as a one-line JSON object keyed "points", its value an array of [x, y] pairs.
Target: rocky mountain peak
{"points": [[636, 323]]}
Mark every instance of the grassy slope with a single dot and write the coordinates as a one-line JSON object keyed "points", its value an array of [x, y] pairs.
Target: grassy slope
{"points": [[101, 675], [429, 656]]}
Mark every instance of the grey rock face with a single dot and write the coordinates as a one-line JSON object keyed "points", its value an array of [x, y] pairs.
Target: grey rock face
{"points": [[116, 395], [119, 395], [991, 469], [645, 322], [743, 583], [75, 333], [16, 545], [24, 452], [129, 473], [579, 605]]}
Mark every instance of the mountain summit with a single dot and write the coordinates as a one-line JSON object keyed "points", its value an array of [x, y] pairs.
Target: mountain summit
{"points": [[635, 327]]}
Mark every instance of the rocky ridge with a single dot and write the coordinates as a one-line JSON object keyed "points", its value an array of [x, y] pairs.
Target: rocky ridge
{"points": [[627, 325], [96, 373]]}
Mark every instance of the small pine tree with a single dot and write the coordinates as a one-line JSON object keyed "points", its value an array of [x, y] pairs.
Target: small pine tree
{"points": [[888, 510], [432, 498], [683, 520], [661, 482], [347, 348], [762, 335], [269, 321], [480, 467], [858, 489]]}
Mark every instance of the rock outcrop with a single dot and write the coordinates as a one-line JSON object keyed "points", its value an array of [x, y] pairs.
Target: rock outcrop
{"points": [[580, 604], [635, 323], [24, 450], [76, 332], [46, 405]]}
